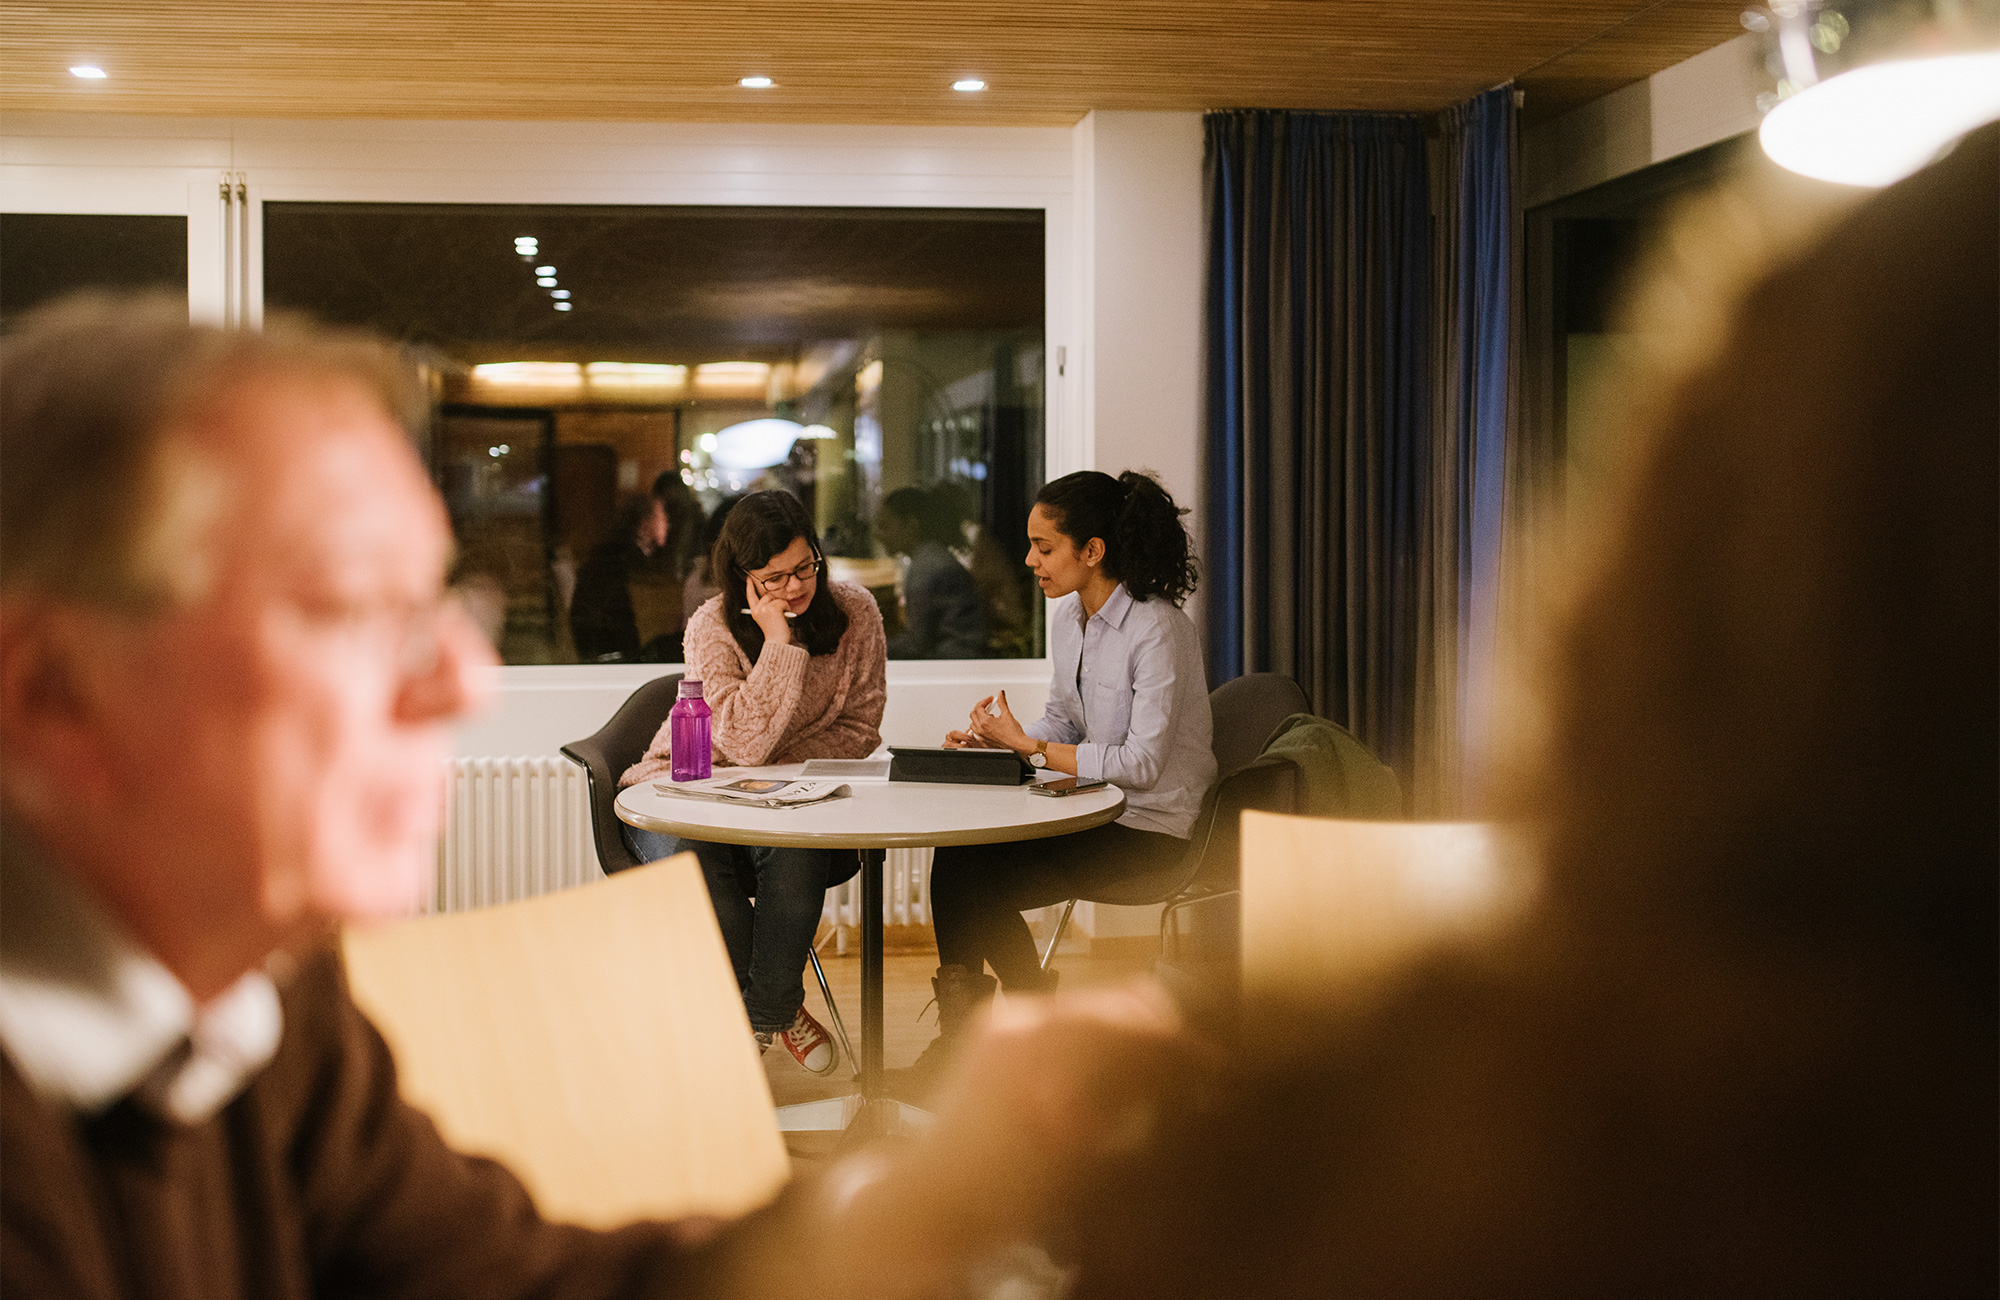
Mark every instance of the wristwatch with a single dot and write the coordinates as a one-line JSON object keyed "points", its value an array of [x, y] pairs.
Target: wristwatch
{"points": [[1040, 758]]}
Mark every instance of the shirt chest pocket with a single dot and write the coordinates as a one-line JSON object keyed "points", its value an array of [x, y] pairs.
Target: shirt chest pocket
{"points": [[1107, 712]]}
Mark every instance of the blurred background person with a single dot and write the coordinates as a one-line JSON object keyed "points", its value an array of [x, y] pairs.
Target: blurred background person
{"points": [[700, 586], [1746, 1042], [942, 613], [642, 560], [1004, 590]]}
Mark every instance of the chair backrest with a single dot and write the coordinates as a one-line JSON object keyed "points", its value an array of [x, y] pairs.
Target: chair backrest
{"points": [[1328, 903], [614, 747], [1246, 712], [593, 1040]]}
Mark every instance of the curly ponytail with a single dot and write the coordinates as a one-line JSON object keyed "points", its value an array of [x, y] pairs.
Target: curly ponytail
{"points": [[1146, 546]]}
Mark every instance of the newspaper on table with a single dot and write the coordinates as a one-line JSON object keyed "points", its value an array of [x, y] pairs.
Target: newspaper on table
{"points": [[757, 791]]}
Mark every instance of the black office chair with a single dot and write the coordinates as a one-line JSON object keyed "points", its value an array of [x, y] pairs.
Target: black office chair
{"points": [[617, 745], [1245, 712]]}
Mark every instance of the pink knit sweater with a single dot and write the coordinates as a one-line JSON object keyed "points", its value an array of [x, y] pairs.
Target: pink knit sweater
{"points": [[789, 706]]}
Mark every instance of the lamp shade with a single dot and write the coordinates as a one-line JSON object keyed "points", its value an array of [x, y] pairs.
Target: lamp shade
{"points": [[755, 444], [1868, 91]]}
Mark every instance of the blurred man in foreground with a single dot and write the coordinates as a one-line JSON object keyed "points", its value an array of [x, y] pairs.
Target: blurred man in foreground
{"points": [[225, 673]]}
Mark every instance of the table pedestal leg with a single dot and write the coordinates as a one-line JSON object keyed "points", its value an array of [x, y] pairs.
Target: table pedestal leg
{"points": [[867, 1114], [871, 973]]}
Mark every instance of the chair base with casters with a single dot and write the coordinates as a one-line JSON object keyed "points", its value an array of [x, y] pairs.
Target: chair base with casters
{"points": [[604, 757]]}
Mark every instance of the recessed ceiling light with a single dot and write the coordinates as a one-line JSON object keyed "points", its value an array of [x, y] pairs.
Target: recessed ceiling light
{"points": [[558, 293], [756, 83], [89, 72], [562, 306], [545, 270], [546, 281], [969, 85]]}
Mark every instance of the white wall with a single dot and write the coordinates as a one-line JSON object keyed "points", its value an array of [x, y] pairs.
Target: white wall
{"points": [[1689, 106], [1139, 298], [536, 710], [1139, 305]]}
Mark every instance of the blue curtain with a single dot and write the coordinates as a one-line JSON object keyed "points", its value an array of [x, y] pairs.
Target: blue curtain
{"points": [[1479, 261], [1319, 409], [1360, 354]]}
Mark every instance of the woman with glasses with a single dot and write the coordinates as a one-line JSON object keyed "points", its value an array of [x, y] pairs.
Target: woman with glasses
{"points": [[793, 667]]}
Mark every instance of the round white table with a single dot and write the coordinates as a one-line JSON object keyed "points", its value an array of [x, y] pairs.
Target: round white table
{"points": [[876, 817]]}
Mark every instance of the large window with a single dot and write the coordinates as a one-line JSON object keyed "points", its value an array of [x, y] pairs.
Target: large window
{"points": [[1585, 251], [885, 365], [45, 255]]}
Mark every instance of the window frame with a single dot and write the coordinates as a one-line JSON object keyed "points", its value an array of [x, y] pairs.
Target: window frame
{"points": [[179, 166]]}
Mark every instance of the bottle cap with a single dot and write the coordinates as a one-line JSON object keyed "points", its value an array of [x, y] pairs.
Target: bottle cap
{"points": [[690, 689]]}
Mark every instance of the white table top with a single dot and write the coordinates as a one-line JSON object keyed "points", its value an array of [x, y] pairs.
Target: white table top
{"points": [[878, 815]]}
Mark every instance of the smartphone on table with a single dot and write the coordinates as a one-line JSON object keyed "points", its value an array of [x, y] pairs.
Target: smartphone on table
{"points": [[1064, 785]]}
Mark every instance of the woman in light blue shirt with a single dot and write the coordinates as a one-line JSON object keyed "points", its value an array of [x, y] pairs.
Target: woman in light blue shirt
{"points": [[1129, 705]]}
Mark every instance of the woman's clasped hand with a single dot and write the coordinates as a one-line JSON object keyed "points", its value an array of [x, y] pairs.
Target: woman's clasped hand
{"points": [[992, 725]]}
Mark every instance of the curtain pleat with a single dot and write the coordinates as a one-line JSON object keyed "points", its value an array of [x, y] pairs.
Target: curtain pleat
{"points": [[1319, 408], [1360, 360], [1477, 326]]}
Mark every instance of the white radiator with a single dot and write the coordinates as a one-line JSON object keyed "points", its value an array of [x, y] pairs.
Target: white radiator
{"points": [[518, 827], [906, 896], [513, 828]]}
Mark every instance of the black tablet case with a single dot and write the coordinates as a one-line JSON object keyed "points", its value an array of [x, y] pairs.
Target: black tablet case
{"points": [[959, 766]]}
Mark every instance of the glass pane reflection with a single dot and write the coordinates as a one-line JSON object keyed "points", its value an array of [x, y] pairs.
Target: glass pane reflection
{"points": [[586, 361]]}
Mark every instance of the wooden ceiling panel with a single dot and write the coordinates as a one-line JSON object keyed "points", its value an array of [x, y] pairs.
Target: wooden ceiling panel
{"points": [[1046, 62], [1657, 38]]}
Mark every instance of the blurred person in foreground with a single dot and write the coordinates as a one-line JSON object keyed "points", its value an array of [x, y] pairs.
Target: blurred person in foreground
{"points": [[226, 670], [1745, 1042]]}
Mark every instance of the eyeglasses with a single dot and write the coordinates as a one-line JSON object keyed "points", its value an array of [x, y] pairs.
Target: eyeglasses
{"points": [[804, 573]]}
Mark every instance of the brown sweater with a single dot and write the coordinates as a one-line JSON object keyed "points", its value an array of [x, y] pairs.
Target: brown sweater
{"points": [[316, 1181], [789, 706]]}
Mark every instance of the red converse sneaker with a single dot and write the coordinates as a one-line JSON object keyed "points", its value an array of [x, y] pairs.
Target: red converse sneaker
{"points": [[810, 1045]]}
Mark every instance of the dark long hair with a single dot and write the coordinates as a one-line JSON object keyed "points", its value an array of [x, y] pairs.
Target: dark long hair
{"points": [[761, 525], [684, 519], [1146, 545]]}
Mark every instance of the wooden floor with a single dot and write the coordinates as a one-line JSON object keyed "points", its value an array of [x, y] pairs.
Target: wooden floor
{"points": [[906, 989]]}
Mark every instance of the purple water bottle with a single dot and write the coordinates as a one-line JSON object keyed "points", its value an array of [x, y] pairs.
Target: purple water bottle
{"points": [[688, 734]]}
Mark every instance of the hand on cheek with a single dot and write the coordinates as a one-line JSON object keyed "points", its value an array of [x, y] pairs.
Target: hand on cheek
{"points": [[768, 612]]}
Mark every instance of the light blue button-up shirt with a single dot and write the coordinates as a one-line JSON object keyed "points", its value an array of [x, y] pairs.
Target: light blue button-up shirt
{"points": [[1130, 694]]}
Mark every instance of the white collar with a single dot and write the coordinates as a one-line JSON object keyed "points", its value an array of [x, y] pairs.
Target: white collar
{"points": [[88, 1015], [1112, 612]]}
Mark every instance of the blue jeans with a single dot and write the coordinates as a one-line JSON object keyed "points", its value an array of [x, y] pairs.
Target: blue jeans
{"points": [[767, 942]]}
